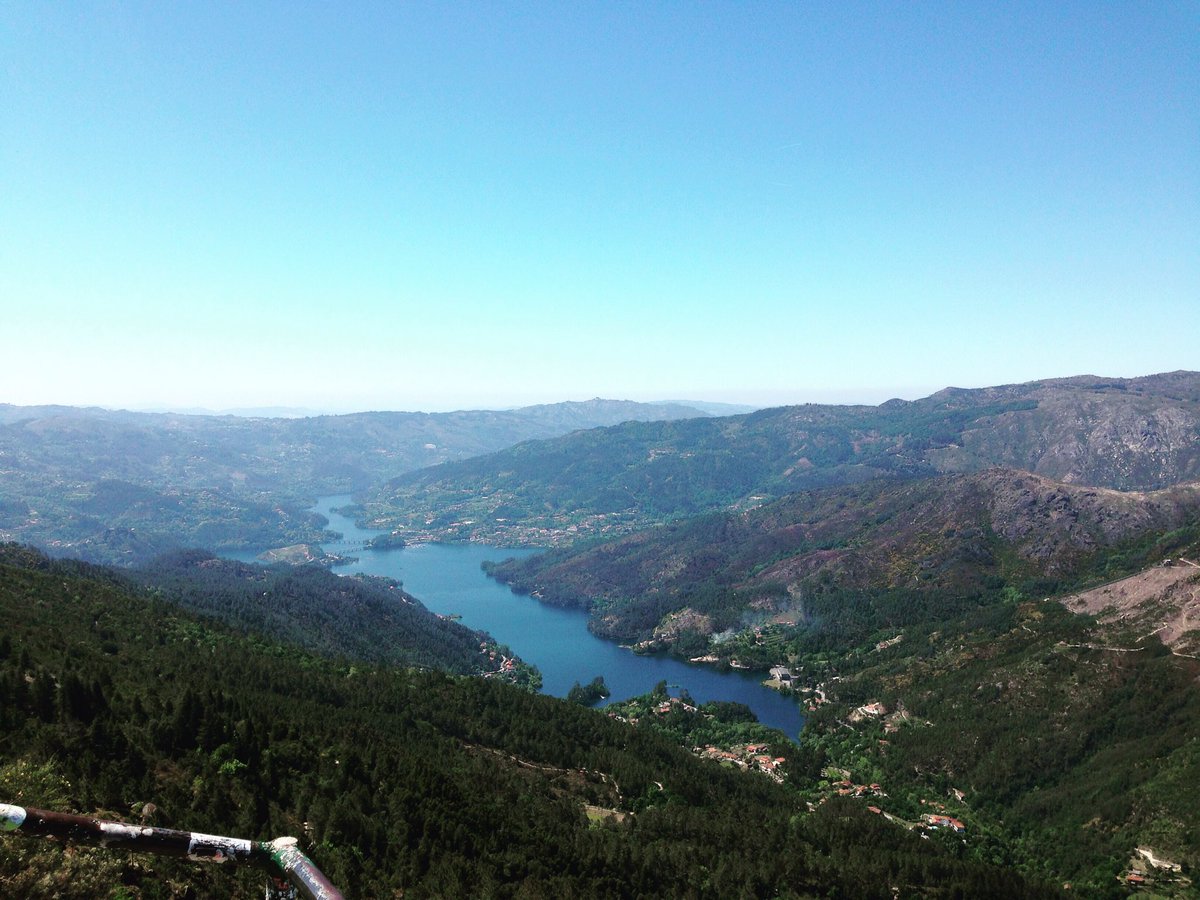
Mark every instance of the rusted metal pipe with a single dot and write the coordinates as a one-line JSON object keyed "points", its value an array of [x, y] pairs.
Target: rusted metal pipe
{"points": [[281, 856]]}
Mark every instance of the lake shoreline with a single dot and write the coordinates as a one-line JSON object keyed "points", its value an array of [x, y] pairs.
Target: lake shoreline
{"points": [[448, 579]]}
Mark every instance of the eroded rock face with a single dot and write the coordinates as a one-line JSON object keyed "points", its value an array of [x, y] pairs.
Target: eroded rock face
{"points": [[686, 619]]}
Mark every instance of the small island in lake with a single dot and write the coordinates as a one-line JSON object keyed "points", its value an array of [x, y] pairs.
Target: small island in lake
{"points": [[591, 694], [385, 542], [303, 555]]}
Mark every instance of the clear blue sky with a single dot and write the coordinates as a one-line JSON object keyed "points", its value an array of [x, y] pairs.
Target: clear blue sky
{"points": [[428, 206]]}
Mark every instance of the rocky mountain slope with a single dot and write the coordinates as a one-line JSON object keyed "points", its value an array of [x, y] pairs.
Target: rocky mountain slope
{"points": [[1125, 434], [956, 534], [1129, 434]]}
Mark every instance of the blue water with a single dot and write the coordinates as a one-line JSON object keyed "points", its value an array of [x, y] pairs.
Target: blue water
{"points": [[448, 580]]}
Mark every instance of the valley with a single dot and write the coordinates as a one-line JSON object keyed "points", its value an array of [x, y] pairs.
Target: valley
{"points": [[982, 606], [718, 583], [450, 581], [315, 555], [122, 487], [396, 779]]}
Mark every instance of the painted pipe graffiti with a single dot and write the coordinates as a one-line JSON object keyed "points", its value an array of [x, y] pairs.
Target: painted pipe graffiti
{"points": [[280, 857]]}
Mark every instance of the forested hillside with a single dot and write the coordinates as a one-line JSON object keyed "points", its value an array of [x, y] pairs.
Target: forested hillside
{"points": [[920, 624], [358, 618], [968, 735], [122, 487], [396, 781], [1058, 746], [1127, 434]]}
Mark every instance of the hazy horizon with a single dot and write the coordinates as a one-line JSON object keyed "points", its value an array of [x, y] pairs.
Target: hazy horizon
{"points": [[780, 398], [767, 399]]}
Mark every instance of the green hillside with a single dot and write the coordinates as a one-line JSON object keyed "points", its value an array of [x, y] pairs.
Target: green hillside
{"points": [[1063, 748], [360, 618], [919, 623]]}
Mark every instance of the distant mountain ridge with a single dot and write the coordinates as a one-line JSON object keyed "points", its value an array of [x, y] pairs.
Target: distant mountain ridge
{"points": [[119, 486], [367, 443], [1126, 434], [718, 409]]}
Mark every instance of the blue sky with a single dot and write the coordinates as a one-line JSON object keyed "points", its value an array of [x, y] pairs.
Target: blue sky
{"points": [[432, 206]]}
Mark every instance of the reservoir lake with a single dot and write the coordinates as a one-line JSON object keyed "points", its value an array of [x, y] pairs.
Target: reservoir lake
{"points": [[447, 579]]}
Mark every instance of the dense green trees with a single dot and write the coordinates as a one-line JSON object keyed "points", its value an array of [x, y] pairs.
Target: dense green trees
{"points": [[358, 618], [1068, 755]]}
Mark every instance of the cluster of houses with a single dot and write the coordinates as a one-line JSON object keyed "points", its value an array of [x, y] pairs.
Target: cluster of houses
{"points": [[1142, 870], [746, 756], [781, 677], [933, 820], [754, 757], [876, 710], [659, 709], [928, 821], [817, 698], [483, 530], [939, 819], [665, 707], [873, 710], [508, 665], [847, 788]]}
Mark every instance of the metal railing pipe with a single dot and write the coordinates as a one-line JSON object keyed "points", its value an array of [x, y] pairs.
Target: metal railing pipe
{"points": [[280, 857]]}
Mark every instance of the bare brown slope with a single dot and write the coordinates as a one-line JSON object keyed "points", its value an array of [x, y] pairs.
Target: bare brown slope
{"points": [[1164, 600]]}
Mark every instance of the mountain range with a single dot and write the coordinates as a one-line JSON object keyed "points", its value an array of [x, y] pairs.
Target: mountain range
{"points": [[1125, 434]]}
